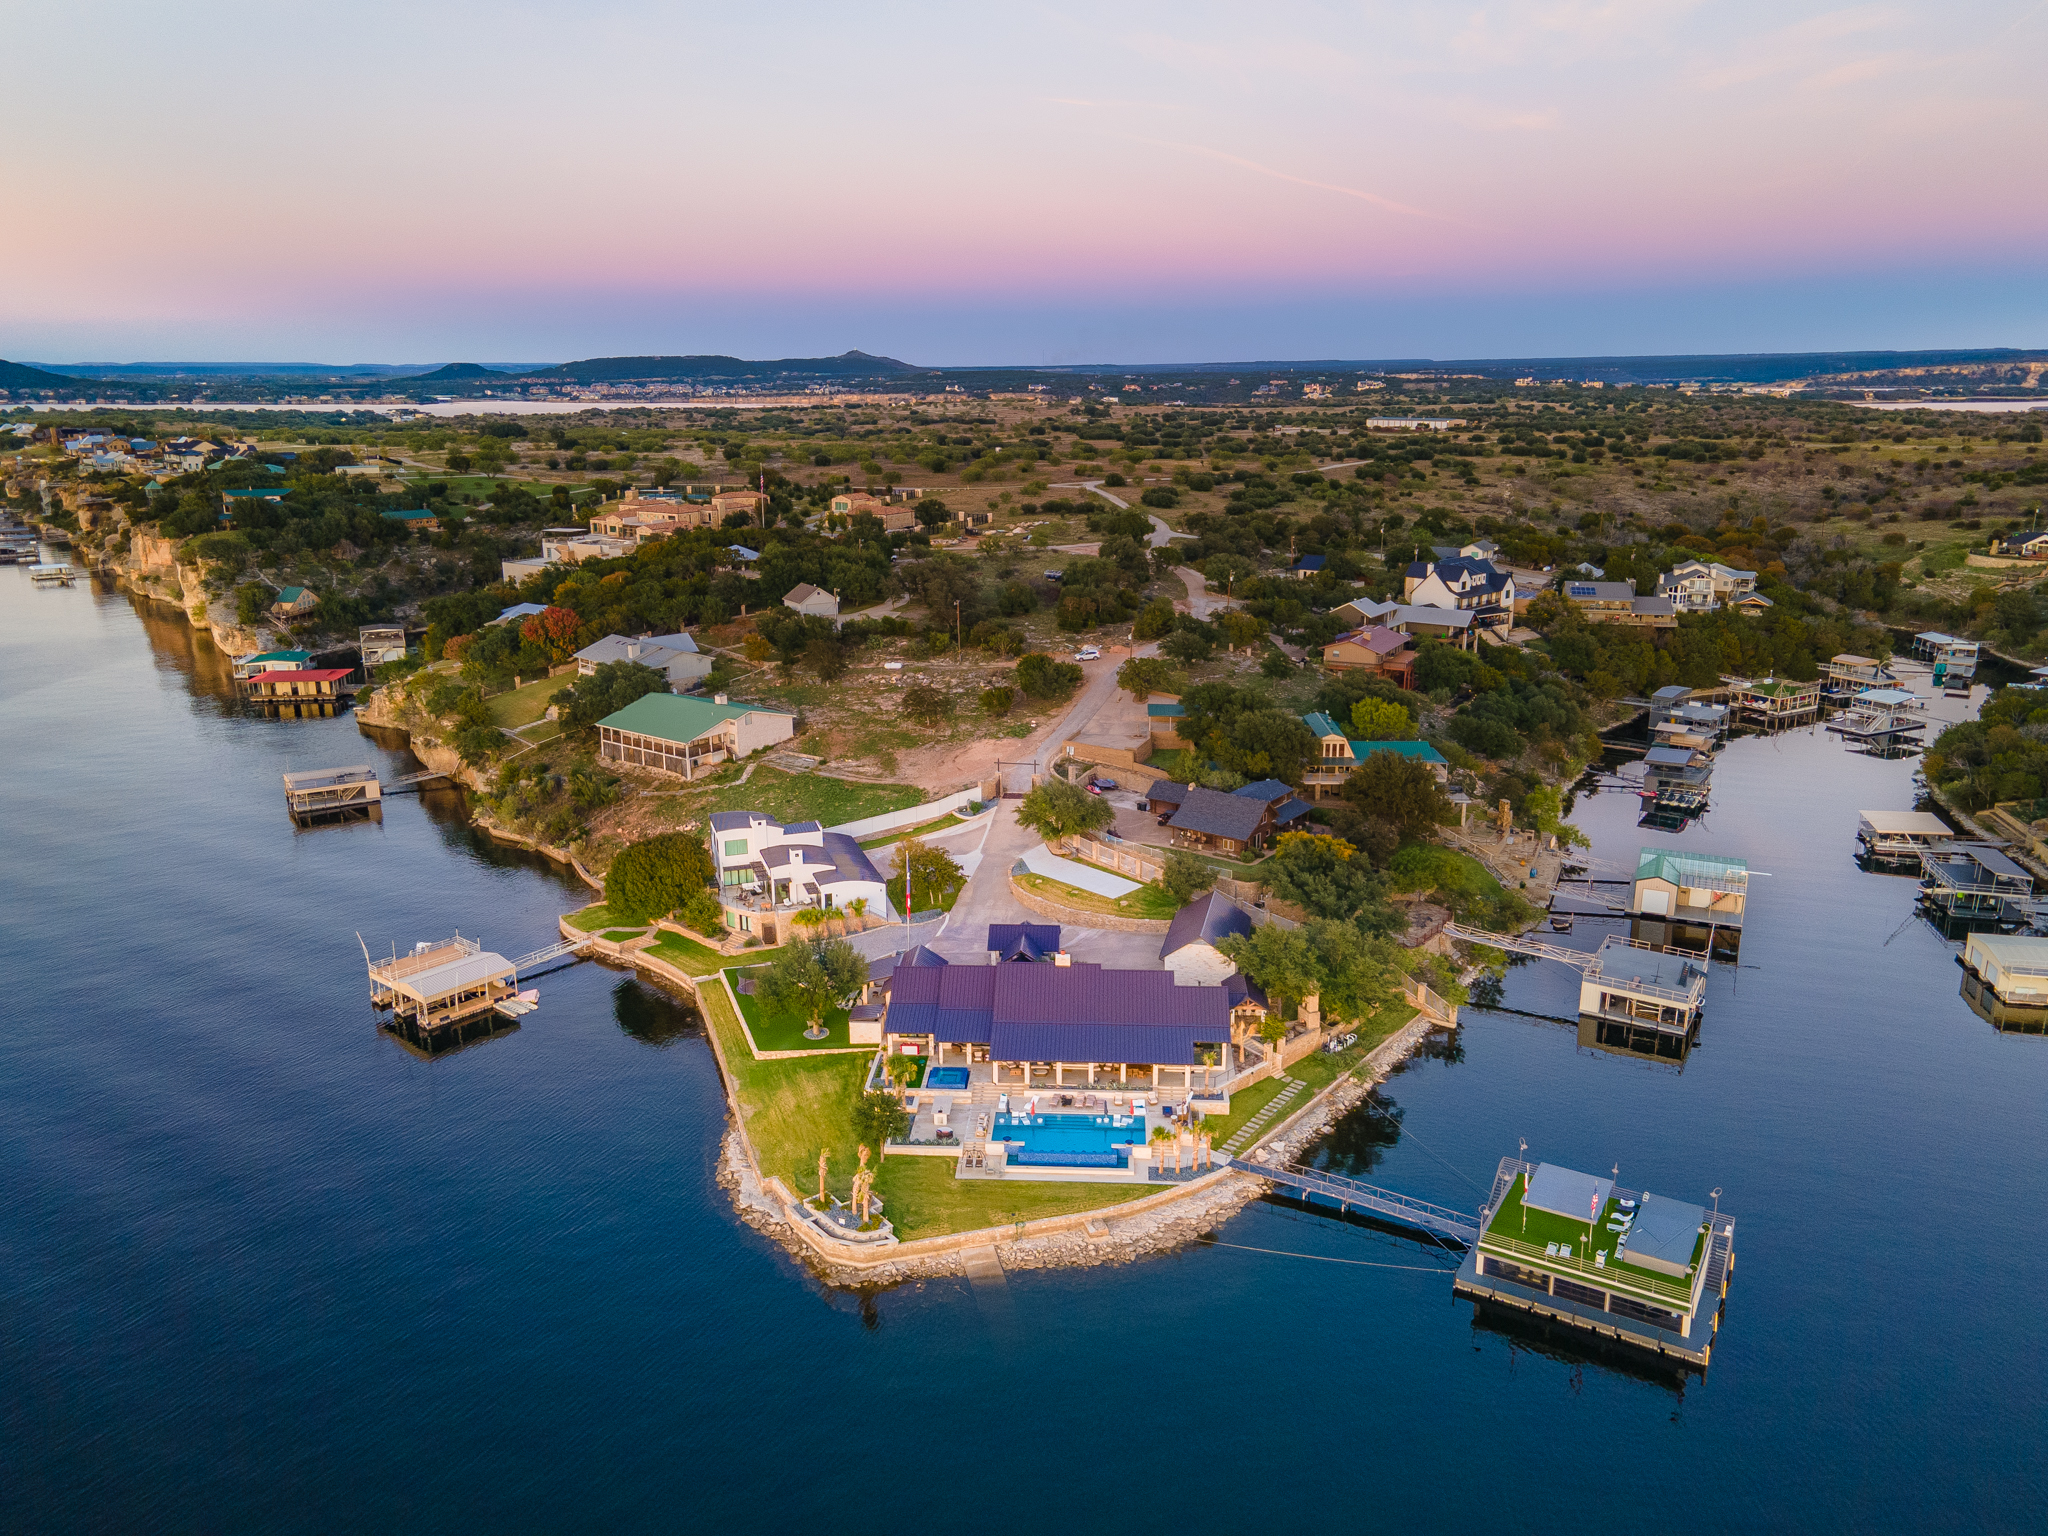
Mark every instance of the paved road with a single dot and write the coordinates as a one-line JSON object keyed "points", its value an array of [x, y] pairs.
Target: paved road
{"points": [[1161, 534], [1096, 487], [1201, 601]]}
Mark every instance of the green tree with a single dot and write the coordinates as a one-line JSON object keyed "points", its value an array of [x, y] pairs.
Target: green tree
{"points": [[810, 979], [1381, 720], [1544, 806], [1360, 974], [1279, 959], [1043, 678], [927, 705], [1185, 877], [879, 1118], [996, 701], [606, 691], [1143, 675], [1324, 876], [1057, 809], [1399, 790], [1241, 628], [655, 875], [1154, 621], [701, 911], [931, 873], [1188, 645]]}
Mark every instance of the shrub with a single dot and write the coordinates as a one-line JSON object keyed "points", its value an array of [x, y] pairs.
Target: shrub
{"points": [[701, 911], [1043, 678], [1161, 496], [478, 743], [1185, 876], [654, 876], [997, 701], [1059, 809], [927, 705]]}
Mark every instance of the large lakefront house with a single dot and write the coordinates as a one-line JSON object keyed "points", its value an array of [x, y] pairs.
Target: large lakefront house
{"points": [[1464, 582], [1064, 1025]]}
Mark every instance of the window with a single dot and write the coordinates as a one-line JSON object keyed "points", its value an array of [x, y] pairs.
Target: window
{"points": [[1643, 1312], [735, 847], [1571, 1290]]}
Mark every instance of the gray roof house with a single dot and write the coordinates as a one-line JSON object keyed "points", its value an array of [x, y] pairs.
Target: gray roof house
{"points": [[675, 656], [1189, 949], [805, 598]]}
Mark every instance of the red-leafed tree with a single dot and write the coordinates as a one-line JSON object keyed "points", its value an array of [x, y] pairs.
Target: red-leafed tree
{"points": [[554, 631]]}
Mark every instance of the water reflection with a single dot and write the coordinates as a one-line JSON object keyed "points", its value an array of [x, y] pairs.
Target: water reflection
{"points": [[653, 1017]]}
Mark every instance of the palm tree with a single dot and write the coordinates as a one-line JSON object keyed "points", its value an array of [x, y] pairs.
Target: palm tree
{"points": [[1161, 1135]]}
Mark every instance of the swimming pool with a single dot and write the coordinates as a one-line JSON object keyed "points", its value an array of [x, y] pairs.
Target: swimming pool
{"points": [[946, 1077], [1069, 1141]]}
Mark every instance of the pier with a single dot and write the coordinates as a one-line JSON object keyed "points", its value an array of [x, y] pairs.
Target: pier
{"points": [[1900, 837], [55, 575], [448, 992], [1633, 997]]}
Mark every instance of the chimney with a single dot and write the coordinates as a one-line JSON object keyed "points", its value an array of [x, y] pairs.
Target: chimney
{"points": [[1061, 957], [719, 698]]}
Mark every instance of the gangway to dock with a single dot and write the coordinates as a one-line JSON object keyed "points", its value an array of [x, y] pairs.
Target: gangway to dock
{"points": [[1354, 1194], [1520, 944], [414, 780], [544, 959]]}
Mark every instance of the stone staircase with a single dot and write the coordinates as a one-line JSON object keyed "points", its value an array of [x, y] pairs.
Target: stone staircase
{"points": [[1255, 1127]]}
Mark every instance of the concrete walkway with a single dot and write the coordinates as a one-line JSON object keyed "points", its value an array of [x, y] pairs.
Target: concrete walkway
{"points": [[1162, 535], [1043, 861], [1201, 601]]}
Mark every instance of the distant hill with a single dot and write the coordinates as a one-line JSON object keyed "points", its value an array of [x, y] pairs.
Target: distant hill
{"points": [[21, 376], [619, 370], [458, 371]]}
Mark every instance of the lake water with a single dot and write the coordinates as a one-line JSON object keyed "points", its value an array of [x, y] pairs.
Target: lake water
{"points": [[264, 1270]]}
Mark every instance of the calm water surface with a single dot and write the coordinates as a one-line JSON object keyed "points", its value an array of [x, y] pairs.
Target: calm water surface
{"points": [[264, 1270]]}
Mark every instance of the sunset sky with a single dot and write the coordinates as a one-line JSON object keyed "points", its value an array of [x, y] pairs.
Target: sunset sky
{"points": [[1026, 183]]}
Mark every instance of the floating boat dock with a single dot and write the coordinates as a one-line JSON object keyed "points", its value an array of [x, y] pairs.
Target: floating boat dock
{"points": [[332, 793], [1881, 714], [449, 992], [1641, 1270], [2005, 981], [1900, 837], [1973, 883], [1633, 996], [58, 574], [1689, 900]]}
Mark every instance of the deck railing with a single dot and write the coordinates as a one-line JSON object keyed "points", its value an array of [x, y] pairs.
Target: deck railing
{"points": [[1609, 1277]]}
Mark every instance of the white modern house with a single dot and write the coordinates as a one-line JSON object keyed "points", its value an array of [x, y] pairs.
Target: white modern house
{"points": [[798, 865]]}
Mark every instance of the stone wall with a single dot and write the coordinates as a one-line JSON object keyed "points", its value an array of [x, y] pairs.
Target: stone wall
{"points": [[1080, 917]]}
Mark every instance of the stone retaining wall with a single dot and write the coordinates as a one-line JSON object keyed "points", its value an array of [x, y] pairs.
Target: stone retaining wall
{"points": [[1081, 917]]}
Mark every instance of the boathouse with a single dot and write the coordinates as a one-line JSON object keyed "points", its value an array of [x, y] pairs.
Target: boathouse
{"points": [[1974, 883], [247, 667], [1689, 895], [439, 988], [1900, 836], [1640, 1269], [1777, 701], [1881, 714], [319, 683], [1639, 998], [2005, 981], [1954, 659], [332, 792], [1846, 674]]}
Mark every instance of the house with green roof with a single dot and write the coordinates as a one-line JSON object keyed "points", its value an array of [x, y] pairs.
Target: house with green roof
{"points": [[293, 602], [1340, 756], [415, 518], [670, 733]]}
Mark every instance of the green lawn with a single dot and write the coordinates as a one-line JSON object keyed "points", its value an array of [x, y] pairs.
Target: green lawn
{"points": [[620, 935], [921, 1198], [791, 1108], [1149, 901], [810, 797], [886, 838], [686, 955], [1318, 1071], [523, 706], [593, 918], [484, 486], [782, 1030]]}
